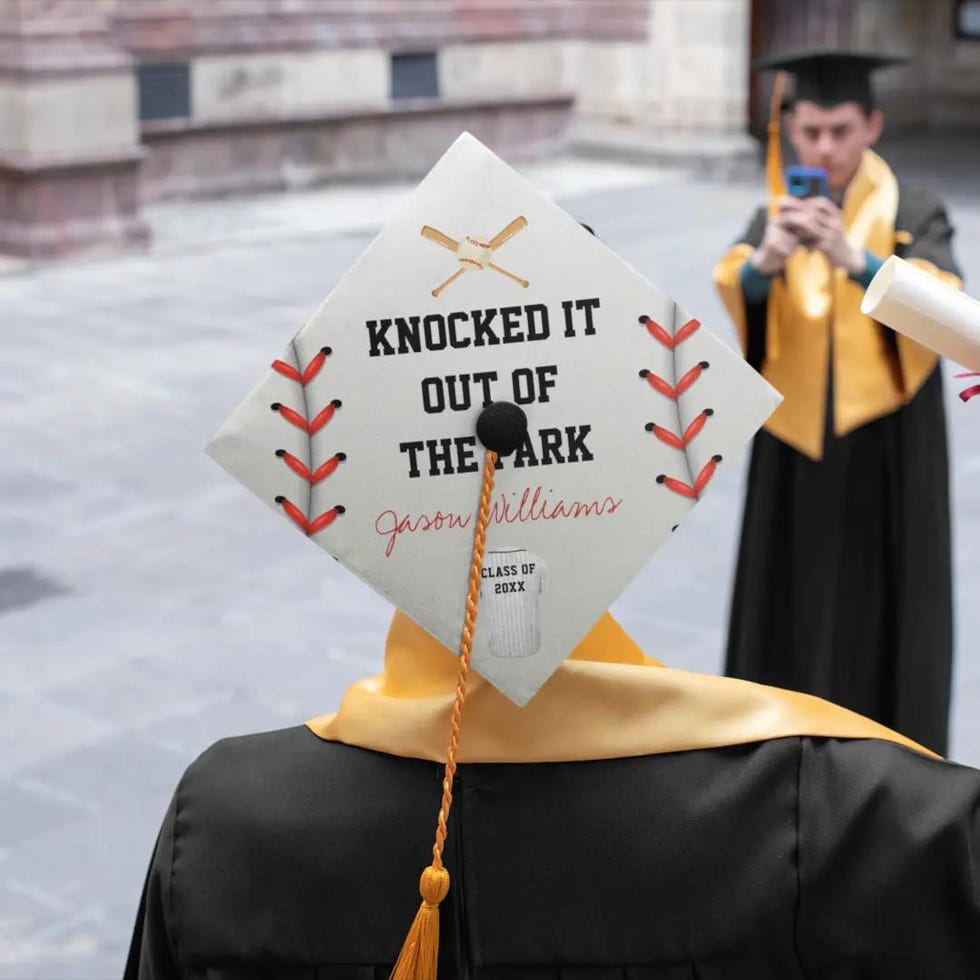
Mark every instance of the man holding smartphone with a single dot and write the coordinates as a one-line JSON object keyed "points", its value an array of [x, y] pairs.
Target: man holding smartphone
{"points": [[843, 584]]}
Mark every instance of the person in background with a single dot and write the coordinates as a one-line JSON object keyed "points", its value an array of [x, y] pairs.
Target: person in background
{"points": [[843, 582]]}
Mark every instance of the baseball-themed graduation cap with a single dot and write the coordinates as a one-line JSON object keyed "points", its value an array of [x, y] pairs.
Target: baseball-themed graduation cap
{"points": [[363, 433], [492, 414]]}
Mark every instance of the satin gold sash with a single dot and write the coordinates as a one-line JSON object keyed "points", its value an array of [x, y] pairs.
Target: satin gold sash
{"points": [[607, 701]]}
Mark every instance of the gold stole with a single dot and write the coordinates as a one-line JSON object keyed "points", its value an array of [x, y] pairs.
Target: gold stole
{"points": [[810, 300], [607, 701]]}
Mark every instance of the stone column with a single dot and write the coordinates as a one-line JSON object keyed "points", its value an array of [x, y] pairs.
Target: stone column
{"points": [[679, 94], [69, 135]]}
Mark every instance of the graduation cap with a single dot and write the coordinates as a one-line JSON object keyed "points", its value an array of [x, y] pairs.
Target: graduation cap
{"points": [[830, 77], [493, 414]]}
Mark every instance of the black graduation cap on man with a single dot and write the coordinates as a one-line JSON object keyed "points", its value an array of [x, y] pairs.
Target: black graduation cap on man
{"points": [[830, 77]]}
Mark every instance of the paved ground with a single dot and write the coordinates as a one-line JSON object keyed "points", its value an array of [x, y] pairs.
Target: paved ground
{"points": [[148, 605]]}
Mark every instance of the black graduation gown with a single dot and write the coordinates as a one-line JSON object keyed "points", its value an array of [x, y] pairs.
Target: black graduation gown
{"points": [[843, 587], [285, 857]]}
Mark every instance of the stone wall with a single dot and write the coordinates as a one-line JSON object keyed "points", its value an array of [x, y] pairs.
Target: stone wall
{"points": [[285, 93], [69, 140], [663, 78], [290, 94], [941, 88]]}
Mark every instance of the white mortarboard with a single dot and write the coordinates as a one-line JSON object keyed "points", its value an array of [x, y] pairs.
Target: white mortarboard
{"points": [[482, 313], [362, 434]]}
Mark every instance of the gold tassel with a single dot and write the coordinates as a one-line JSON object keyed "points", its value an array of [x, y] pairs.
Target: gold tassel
{"points": [[775, 182], [419, 958], [776, 186]]}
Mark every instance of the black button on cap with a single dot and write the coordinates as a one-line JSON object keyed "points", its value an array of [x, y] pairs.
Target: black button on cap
{"points": [[502, 427]]}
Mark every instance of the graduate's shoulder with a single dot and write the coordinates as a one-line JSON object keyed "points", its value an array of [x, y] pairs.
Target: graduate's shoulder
{"points": [[887, 867], [273, 821], [866, 771], [287, 764], [755, 229], [237, 760], [917, 205]]}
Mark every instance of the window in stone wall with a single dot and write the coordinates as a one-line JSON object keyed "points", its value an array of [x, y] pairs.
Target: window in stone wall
{"points": [[164, 90], [414, 76], [967, 19]]}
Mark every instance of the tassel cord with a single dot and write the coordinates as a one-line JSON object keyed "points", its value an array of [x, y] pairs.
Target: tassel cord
{"points": [[465, 651], [419, 956]]}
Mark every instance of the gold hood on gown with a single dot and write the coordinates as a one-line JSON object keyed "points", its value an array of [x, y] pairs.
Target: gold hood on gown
{"points": [[606, 701]]}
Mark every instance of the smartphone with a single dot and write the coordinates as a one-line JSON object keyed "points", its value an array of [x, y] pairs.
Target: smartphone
{"points": [[807, 182]]}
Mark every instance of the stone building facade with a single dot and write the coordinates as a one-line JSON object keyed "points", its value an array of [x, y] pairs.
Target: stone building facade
{"points": [[938, 89], [108, 104]]}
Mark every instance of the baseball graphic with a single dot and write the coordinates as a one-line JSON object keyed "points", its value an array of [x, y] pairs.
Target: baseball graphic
{"points": [[474, 254]]}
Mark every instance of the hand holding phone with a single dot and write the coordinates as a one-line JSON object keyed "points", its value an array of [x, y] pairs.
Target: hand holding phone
{"points": [[818, 223]]}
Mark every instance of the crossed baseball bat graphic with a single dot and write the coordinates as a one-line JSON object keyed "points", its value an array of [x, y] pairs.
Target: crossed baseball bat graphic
{"points": [[474, 254]]}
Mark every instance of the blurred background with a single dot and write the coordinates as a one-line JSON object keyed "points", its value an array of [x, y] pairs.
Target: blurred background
{"points": [[181, 183]]}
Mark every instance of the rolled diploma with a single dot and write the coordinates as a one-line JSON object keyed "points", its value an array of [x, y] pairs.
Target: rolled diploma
{"points": [[926, 310]]}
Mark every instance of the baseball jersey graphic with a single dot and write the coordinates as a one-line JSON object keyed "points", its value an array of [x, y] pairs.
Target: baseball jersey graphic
{"points": [[513, 579]]}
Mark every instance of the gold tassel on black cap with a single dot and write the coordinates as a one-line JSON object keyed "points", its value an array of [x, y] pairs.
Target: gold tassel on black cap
{"points": [[776, 186], [775, 181]]}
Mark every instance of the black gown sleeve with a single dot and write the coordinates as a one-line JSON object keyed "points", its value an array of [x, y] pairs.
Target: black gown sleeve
{"points": [[755, 313], [923, 215], [152, 951], [888, 862]]}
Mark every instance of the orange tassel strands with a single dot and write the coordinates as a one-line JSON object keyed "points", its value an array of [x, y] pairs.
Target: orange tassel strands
{"points": [[420, 954], [776, 187], [775, 182], [419, 957]]}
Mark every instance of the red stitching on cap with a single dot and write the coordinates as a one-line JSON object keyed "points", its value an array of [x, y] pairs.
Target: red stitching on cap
{"points": [[683, 441], [666, 388], [309, 372], [299, 518], [323, 417], [324, 520], [689, 377], [678, 486], [692, 490], [658, 384], [685, 489], [311, 428], [293, 511], [707, 472], [291, 416], [683, 332], [319, 474]]}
